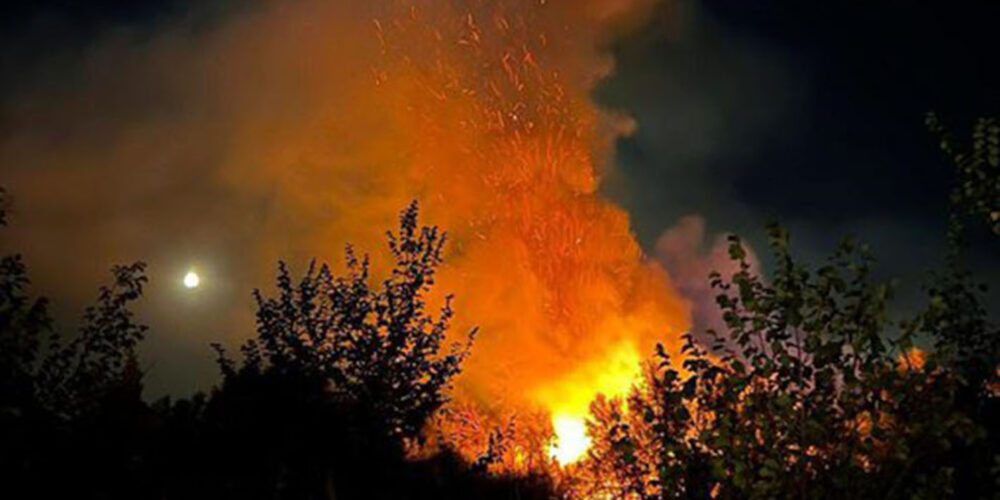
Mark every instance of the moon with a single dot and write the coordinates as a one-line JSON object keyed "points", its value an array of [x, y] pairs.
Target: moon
{"points": [[192, 280]]}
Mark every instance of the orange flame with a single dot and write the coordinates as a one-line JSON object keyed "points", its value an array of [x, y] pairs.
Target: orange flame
{"points": [[317, 120], [568, 398], [507, 146]]}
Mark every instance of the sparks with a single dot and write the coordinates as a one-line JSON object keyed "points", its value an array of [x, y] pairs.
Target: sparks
{"points": [[520, 145]]}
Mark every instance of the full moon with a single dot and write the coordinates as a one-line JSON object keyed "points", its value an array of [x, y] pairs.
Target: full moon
{"points": [[192, 280]]}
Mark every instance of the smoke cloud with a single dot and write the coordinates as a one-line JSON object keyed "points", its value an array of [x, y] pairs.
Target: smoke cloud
{"points": [[292, 128], [685, 252]]}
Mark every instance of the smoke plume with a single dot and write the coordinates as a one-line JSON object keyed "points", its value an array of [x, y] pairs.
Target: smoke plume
{"points": [[292, 128]]}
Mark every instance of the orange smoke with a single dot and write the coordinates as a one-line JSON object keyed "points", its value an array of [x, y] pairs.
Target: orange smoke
{"points": [[316, 121], [506, 150]]}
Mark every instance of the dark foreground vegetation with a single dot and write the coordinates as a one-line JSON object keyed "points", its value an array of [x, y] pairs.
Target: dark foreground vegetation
{"points": [[811, 392]]}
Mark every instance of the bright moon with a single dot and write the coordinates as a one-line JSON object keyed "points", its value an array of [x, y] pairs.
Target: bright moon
{"points": [[191, 280]]}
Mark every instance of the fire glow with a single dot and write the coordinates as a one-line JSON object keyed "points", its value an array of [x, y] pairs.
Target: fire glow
{"points": [[319, 120], [508, 148], [568, 400], [334, 115]]}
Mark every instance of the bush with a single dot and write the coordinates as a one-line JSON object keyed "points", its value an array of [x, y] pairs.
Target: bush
{"points": [[812, 391]]}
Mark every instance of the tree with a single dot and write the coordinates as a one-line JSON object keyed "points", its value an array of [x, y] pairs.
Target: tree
{"points": [[977, 167], [23, 322], [376, 347], [812, 390], [100, 362], [342, 375], [69, 403]]}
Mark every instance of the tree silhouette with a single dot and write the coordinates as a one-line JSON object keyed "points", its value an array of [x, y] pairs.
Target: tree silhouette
{"points": [[70, 405], [376, 347], [324, 402], [813, 391], [338, 363]]}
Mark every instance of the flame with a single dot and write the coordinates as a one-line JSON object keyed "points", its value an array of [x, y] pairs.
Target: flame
{"points": [[912, 359], [571, 440], [507, 150], [568, 399], [317, 120]]}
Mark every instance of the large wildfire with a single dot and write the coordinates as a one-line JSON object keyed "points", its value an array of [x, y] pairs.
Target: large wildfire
{"points": [[507, 151], [223, 137], [338, 114]]}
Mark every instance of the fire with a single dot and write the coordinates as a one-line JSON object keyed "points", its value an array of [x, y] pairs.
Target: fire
{"points": [[571, 440], [506, 150], [318, 120], [912, 359], [569, 398]]}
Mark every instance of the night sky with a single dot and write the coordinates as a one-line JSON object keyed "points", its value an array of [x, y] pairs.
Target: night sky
{"points": [[809, 113]]}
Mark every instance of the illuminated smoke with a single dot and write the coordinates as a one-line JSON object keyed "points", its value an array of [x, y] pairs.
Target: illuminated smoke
{"points": [[316, 122], [689, 256]]}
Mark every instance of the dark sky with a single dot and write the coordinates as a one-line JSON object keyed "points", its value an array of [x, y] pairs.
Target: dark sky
{"points": [[810, 113]]}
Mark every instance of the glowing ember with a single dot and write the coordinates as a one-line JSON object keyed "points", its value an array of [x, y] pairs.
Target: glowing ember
{"points": [[912, 359]]}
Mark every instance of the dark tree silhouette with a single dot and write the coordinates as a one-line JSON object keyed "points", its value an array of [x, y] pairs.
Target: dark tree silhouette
{"points": [[100, 361], [324, 401], [340, 381], [70, 405], [813, 391], [977, 167], [376, 347]]}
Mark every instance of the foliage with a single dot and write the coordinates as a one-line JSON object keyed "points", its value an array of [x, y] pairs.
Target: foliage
{"points": [[977, 167], [338, 377], [955, 312], [68, 402], [814, 401], [813, 391], [101, 359], [376, 347], [23, 321], [71, 374]]}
